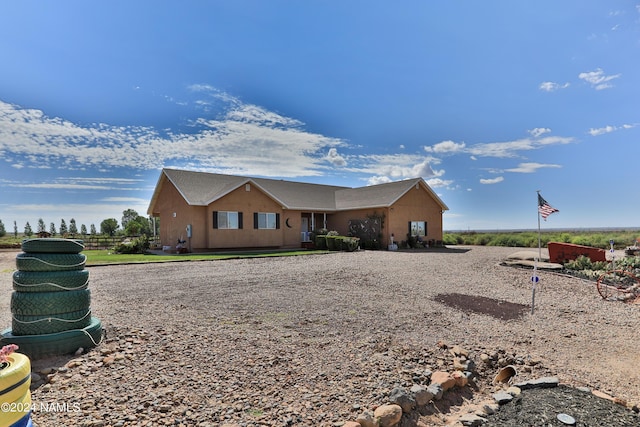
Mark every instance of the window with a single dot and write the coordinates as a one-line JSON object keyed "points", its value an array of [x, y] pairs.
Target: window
{"points": [[266, 220], [227, 220], [418, 228]]}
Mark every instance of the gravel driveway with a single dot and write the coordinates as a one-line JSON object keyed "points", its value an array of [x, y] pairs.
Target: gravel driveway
{"points": [[315, 340]]}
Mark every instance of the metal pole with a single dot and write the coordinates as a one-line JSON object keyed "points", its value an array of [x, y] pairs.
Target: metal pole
{"points": [[534, 278]]}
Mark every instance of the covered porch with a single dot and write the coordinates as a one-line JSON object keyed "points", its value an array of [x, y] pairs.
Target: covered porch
{"points": [[310, 221]]}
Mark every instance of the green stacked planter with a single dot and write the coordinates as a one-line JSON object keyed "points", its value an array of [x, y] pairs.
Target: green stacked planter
{"points": [[51, 302]]}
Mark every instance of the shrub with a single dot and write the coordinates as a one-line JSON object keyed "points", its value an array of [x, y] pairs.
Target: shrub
{"points": [[138, 245], [585, 263], [412, 241], [350, 244], [334, 243], [321, 241]]}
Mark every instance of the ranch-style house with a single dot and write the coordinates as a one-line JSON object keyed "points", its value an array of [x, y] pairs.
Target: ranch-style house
{"points": [[215, 211]]}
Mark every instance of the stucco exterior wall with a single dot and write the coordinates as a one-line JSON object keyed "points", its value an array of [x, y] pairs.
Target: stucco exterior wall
{"points": [[175, 214], [339, 221], [415, 205], [248, 200]]}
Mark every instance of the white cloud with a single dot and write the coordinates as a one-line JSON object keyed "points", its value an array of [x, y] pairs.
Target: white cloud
{"points": [[395, 167], [247, 140], [597, 79], [601, 131], [399, 166], [445, 147], [531, 167], [79, 183], [512, 148], [552, 86], [536, 132], [492, 180], [334, 158], [375, 180], [609, 129], [438, 182], [64, 186], [125, 199]]}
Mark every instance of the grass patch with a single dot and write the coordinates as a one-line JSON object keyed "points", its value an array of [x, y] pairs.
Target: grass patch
{"points": [[103, 257]]}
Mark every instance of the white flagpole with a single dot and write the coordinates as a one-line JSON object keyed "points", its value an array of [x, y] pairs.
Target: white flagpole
{"points": [[534, 278], [539, 241]]}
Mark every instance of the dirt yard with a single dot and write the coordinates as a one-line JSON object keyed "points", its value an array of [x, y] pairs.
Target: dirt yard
{"points": [[316, 340]]}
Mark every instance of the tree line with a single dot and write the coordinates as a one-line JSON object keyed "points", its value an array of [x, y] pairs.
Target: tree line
{"points": [[132, 224]]}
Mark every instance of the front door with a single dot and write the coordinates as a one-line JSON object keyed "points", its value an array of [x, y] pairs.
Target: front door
{"points": [[304, 228]]}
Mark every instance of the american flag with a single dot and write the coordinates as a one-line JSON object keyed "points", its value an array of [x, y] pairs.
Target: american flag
{"points": [[545, 208]]}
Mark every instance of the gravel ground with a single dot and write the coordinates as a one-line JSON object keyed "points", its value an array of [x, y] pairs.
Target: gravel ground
{"points": [[315, 340]]}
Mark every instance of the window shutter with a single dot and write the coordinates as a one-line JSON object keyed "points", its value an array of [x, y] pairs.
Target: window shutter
{"points": [[215, 219], [277, 221], [409, 232], [255, 220], [425, 229], [240, 220]]}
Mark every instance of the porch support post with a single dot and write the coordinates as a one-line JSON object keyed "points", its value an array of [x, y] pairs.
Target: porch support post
{"points": [[325, 220]]}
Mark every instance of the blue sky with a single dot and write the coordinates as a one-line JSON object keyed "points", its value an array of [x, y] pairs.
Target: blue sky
{"points": [[487, 101]]}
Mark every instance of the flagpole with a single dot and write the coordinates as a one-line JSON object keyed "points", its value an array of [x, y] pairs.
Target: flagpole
{"points": [[539, 240], [534, 278]]}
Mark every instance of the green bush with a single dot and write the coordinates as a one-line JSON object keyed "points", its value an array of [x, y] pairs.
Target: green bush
{"points": [[334, 243], [529, 239], [138, 245], [450, 239], [321, 241], [585, 263], [350, 244]]}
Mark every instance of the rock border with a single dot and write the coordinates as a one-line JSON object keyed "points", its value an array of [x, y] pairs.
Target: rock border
{"points": [[404, 407]]}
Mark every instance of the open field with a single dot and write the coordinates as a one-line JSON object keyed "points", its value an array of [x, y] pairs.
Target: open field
{"points": [[529, 239], [314, 340]]}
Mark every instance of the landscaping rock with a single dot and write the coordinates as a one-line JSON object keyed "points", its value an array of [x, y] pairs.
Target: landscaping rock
{"points": [[444, 379], [421, 395], [401, 397], [436, 390], [502, 397], [472, 420], [545, 382], [366, 419], [388, 415]]}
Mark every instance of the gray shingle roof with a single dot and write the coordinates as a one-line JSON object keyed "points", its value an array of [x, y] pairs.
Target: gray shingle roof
{"points": [[201, 189]]}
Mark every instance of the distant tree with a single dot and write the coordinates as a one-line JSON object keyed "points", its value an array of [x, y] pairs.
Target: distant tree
{"points": [[63, 227], [15, 229], [93, 229], [109, 226], [3, 232], [83, 230], [52, 229], [41, 226], [139, 225], [27, 230], [128, 216], [73, 229]]}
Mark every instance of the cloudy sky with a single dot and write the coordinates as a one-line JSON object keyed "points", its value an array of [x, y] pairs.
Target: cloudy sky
{"points": [[487, 101]]}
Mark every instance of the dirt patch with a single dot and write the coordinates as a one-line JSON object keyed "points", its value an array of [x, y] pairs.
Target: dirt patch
{"points": [[541, 407], [499, 309]]}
